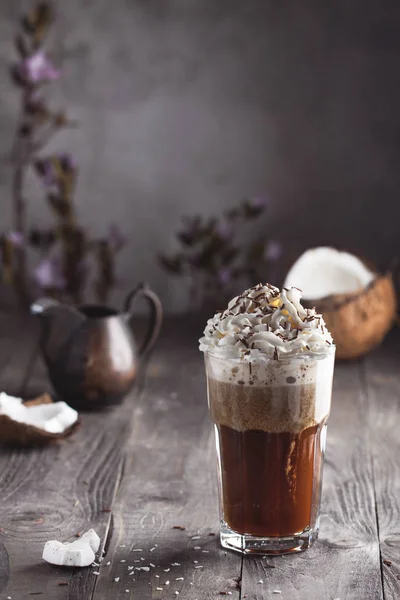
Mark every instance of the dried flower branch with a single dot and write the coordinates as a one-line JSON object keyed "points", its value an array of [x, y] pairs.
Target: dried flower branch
{"points": [[214, 255], [65, 250]]}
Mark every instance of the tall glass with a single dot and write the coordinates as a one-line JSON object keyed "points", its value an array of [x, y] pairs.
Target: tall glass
{"points": [[270, 424]]}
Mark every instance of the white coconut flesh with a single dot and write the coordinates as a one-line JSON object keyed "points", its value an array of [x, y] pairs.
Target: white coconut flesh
{"points": [[322, 272], [56, 417], [80, 553]]}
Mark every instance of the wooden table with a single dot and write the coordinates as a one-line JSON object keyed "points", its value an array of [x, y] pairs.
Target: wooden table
{"points": [[138, 471]]}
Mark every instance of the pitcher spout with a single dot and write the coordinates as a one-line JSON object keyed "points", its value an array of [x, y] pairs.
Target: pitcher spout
{"points": [[42, 305]]}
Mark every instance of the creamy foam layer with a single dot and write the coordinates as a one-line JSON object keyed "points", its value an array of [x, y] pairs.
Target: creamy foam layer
{"points": [[271, 396], [264, 323]]}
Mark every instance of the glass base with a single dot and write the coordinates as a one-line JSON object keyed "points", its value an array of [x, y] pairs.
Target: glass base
{"points": [[251, 544]]}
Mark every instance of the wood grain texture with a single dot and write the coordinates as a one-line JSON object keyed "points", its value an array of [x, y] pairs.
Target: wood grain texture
{"points": [[169, 480], [166, 478], [55, 492], [382, 375], [344, 563]]}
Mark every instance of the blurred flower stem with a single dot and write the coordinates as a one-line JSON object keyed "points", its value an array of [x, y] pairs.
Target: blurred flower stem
{"points": [[220, 254], [32, 69], [66, 251]]}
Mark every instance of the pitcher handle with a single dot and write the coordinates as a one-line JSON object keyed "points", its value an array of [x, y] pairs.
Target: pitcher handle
{"points": [[156, 314]]}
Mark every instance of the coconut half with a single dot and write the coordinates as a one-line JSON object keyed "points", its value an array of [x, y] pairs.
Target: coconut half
{"points": [[358, 305], [36, 421]]}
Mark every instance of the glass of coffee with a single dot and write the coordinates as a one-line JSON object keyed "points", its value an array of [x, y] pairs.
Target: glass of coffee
{"points": [[269, 364]]}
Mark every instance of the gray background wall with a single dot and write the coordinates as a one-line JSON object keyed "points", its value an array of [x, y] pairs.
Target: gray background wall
{"points": [[188, 105]]}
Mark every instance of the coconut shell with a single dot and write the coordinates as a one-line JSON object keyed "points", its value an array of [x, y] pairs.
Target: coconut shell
{"points": [[19, 434], [359, 321]]}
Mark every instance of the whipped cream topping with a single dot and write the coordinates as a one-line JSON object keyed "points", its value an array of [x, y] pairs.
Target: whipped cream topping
{"points": [[264, 323]]}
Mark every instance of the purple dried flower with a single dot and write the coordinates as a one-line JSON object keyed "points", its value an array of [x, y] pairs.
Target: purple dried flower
{"points": [[258, 202], [273, 251], [33, 101], [36, 68], [49, 274], [224, 275], [67, 161], [16, 238], [47, 172], [223, 229], [116, 240]]}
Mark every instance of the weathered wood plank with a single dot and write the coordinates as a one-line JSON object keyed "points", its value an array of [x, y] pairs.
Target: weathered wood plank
{"points": [[344, 563], [169, 480], [55, 492], [16, 357], [382, 374]]}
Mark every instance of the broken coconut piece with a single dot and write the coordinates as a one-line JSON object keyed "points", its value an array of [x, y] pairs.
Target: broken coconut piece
{"points": [[35, 421], [80, 553], [358, 304]]}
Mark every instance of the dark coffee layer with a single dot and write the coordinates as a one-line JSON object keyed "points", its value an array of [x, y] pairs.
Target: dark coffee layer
{"points": [[270, 481]]}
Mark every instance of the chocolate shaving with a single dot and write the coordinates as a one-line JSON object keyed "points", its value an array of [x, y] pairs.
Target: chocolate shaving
{"points": [[276, 357], [250, 368]]}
